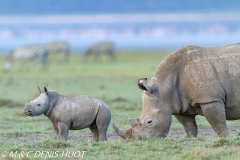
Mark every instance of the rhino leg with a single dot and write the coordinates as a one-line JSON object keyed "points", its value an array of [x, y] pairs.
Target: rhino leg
{"points": [[55, 128], [95, 133], [215, 114], [189, 124], [63, 130], [102, 121]]}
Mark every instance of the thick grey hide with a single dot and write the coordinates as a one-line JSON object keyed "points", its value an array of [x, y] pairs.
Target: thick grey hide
{"points": [[71, 113], [191, 81]]}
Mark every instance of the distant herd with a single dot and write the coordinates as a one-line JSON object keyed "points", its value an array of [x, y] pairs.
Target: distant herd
{"points": [[190, 81], [40, 53]]}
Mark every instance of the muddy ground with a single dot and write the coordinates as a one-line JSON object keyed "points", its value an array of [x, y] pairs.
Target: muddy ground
{"points": [[203, 132]]}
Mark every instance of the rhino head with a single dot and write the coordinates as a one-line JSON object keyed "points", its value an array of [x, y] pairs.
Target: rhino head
{"points": [[156, 116], [38, 106]]}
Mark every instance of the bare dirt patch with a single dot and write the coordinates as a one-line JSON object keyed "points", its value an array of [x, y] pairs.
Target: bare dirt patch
{"points": [[88, 136], [9, 103], [206, 132], [36, 137], [119, 99]]}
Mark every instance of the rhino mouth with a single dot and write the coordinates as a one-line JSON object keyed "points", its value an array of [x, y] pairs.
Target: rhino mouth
{"points": [[28, 112]]}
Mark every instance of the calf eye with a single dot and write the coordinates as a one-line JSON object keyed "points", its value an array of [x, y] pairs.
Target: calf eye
{"points": [[38, 104]]}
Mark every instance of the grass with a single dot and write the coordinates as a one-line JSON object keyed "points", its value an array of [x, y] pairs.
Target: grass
{"points": [[115, 84]]}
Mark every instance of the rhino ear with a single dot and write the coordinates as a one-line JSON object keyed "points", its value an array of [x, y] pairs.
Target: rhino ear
{"points": [[39, 90], [134, 121], [46, 90], [142, 84]]}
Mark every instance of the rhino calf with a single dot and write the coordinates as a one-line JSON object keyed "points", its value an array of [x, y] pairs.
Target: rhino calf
{"points": [[71, 113]]}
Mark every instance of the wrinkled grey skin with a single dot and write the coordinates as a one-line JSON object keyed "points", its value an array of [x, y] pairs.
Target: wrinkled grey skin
{"points": [[71, 113], [191, 81]]}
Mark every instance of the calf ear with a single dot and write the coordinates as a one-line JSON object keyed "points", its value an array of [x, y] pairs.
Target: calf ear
{"points": [[39, 90], [134, 121], [142, 84], [46, 90]]}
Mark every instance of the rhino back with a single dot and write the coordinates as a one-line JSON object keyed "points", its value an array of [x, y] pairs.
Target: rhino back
{"points": [[212, 74], [79, 112], [202, 75]]}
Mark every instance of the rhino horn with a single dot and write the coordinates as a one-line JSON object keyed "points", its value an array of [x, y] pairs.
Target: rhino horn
{"points": [[142, 84], [125, 134]]}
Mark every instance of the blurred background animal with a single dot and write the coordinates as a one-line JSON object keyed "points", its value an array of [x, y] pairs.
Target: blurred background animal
{"points": [[37, 53], [100, 48], [59, 47]]}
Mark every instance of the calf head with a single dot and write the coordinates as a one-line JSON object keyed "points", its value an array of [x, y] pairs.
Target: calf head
{"points": [[156, 116], [38, 106]]}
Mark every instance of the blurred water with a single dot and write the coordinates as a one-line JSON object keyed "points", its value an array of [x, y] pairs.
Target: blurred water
{"points": [[128, 31]]}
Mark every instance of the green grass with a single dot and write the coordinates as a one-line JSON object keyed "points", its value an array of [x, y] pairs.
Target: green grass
{"points": [[114, 83]]}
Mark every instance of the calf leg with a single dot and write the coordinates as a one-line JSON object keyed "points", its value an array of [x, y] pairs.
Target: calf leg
{"points": [[95, 133], [102, 121], [55, 128], [216, 116], [63, 130], [189, 124]]}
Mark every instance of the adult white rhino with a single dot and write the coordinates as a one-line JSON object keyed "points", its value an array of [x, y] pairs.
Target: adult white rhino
{"points": [[71, 113], [191, 81]]}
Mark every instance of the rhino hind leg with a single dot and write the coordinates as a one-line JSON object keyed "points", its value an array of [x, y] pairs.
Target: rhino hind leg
{"points": [[189, 124], [95, 132], [216, 116], [102, 121]]}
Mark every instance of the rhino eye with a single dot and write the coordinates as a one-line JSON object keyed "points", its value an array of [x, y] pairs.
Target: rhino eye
{"points": [[149, 121], [38, 104]]}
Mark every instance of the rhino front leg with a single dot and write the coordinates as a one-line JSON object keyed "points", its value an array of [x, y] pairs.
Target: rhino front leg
{"points": [[55, 128], [189, 124], [216, 116], [63, 130]]}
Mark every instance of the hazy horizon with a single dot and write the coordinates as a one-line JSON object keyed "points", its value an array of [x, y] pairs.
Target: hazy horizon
{"points": [[137, 24]]}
